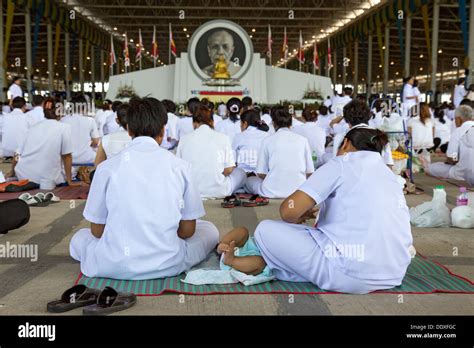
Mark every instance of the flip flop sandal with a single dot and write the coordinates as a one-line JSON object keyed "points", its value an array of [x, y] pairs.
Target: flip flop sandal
{"points": [[30, 200], [75, 297], [111, 301], [231, 202], [256, 201], [46, 199]]}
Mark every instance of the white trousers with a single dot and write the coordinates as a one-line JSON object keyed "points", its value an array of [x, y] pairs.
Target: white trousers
{"points": [[440, 170], [237, 180], [253, 185], [204, 240], [293, 255]]}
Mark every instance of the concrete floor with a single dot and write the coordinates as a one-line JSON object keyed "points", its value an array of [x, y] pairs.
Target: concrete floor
{"points": [[26, 287]]}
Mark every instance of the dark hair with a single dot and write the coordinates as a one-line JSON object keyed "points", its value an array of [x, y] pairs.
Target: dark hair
{"points": [[348, 91], [471, 87], [234, 106], [169, 105], [323, 110], [115, 105], [18, 102], [439, 114], [461, 81], [467, 102], [424, 113], [106, 105], [247, 102], [408, 78], [281, 117], [367, 139], [122, 115], [203, 115], [252, 118], [146, 117], [309, 114], [266, 110], [192, 104], [50, 109], [37, 100], [16, 78], [79, 99], [356, 112]]}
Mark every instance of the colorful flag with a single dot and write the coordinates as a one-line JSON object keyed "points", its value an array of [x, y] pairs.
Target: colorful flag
{"points": [[269, 44], [138, 56], [172, 44], [285, 46], [300, 50], [113, 58], [154, 49], [126, 55], [315, 56]]}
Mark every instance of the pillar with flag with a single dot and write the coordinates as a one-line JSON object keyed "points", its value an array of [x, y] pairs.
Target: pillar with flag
{"points": [[315, 57], [329, 57], [154, 49], [285, 46], [172, 47], [126, 54], [301, 51], [112, 57], [138, 56], [269, 44]]}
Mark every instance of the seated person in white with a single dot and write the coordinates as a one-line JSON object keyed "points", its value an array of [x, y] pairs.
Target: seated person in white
{"points": [[421, 129], [112, 144], [315, 135], [185, 124], [143, 208], [231, 125], [443, 127], [46, 153], [111, 125], [284, 161], [357, 115], [102, 115], [215, 117], [170, 139], [460, 153], [36, 114], [211, 157], [15, 128], [247, 144], [362, 238], [266, 115], [339, 102], [85, 136], [324, 119]]}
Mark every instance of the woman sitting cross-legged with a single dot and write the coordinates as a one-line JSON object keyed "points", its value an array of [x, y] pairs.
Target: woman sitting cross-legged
{"points": [[362, 238], [143, 207]]}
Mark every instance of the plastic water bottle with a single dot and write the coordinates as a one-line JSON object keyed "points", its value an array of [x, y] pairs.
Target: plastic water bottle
{"points": [[462, 198], [439, 195], [315, 158]]}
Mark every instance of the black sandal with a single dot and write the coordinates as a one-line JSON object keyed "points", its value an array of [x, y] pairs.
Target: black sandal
{"points": [[111, 301], [231, 202], [75, 297]]}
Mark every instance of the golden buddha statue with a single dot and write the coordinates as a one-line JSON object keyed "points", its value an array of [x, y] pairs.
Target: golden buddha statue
{"points": [[220, 69]]}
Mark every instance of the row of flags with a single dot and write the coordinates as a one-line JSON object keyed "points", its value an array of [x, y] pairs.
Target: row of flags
{"points": [[141, 48], [300, 54]]}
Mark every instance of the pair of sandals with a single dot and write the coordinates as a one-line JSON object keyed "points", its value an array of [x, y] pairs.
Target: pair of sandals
{"points": [[40, 199], [242, 200], [94, 301]]}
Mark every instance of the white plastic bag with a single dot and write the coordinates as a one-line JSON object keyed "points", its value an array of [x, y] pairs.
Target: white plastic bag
{"points": [[463, 217], [432, 214]]}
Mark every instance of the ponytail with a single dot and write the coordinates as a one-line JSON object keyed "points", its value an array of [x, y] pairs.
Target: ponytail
{"points": [[234, 105], [367, 139], [202, 115], [252, 117]]}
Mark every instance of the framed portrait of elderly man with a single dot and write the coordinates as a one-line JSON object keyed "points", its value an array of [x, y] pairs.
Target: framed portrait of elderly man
{"points": [[217, 39]]}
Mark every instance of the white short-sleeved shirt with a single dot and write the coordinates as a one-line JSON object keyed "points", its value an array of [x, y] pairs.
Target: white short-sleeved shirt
{"points": [[443, 130], [315, 135], [84, 129], [229, 128], [339, 103], [209, 153], [456, 135], [285, 159], [376, 122], [184, 126], [246, 146], [422, 134], [114, 143], [111, 125], [339, 138], [216, 119], [460, 93], [464, 169], [370, 230], [408, 92], [140, 195], [35, 116], [100, 119], [266, 118], [15, 91], [324, 122], [171, 126], [41, 154], [15, 129], [296, 123]]}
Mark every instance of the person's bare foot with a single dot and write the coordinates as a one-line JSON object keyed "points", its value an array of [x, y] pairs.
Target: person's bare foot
{"points": [[229, 255]]}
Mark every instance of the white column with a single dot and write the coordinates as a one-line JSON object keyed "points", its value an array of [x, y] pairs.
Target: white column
{"points": [[334, 69], [434, 46], [386, 62], [29, 63], [102, 73], [67, 65], [407, 47], [369, 67], [470, 77], [50, 58], [3, 83], [81, 64], [356, 66], [344, 68]]}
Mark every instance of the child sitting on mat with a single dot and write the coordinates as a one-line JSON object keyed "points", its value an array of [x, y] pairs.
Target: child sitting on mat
{"points": [[246, 258]]}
